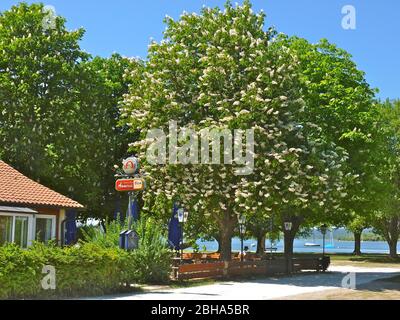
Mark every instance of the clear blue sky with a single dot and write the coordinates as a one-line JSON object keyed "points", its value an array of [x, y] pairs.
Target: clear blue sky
{"points": [[126, 26]]}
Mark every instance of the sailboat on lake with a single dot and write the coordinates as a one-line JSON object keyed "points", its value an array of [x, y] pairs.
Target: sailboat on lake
{"points": [[330, 245], [312, 244]]}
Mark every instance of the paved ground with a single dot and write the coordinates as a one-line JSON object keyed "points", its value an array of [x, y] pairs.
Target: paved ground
{"points": [[264, 289]]}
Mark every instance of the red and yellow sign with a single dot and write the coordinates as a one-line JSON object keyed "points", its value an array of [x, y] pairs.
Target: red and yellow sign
{"points": [[129, 184]]}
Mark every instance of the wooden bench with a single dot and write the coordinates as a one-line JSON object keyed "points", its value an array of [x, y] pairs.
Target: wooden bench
{"points": [[201, 270], [216, 269], [246, 268], [310, 263], [276, 266]]}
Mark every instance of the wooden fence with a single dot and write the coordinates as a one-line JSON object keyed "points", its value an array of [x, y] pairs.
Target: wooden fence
{"points": [[226, 269], [201, 270]]}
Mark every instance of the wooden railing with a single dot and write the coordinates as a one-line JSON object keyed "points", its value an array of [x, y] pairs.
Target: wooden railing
{"points": [[201, 270], [246, 268], [201, 256], [220, 269]]}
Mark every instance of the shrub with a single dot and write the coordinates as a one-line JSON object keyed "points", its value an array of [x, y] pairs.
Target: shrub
{"points": [[86, 269], [95, 266], [20, 272], [107, 239], [151, 262]]}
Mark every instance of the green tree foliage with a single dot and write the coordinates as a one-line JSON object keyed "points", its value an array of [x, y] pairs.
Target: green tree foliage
{"points": [[341, 101], [39, 69], [338, 98], [386, 218], [105, 142], [357, 224], [58, 107]]}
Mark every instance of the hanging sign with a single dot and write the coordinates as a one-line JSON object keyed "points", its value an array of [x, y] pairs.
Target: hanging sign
{"points": [[136, 184]]}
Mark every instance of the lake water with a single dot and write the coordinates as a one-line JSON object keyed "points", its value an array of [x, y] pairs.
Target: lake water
{"points": [[335, 247]]}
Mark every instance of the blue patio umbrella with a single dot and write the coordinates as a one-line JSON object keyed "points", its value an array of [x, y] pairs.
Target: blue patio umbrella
{"points": [[70, 227], [135, 210], [174, 229]]}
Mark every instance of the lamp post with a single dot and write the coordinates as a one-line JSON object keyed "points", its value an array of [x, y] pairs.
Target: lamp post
{"points": [[242, 230], [323, 231], [288, 227], [182, 218]]}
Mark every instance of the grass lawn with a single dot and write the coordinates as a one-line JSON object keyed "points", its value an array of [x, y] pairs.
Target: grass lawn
{"points": [[365, 260]]}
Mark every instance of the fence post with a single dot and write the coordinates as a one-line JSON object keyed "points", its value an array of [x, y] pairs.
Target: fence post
{"points": [[175, 268]]}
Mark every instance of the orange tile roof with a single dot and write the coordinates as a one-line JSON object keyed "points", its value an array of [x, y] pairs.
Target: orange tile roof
{"points": [[15, 188]]}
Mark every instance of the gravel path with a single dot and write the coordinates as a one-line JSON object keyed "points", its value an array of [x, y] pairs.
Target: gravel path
{"points": [[264, 289]]}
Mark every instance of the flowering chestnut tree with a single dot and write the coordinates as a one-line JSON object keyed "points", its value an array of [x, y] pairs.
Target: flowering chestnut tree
{"points": [[219, 71]]}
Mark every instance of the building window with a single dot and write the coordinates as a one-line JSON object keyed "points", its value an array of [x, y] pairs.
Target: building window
{"points": [[45, 228], [21, 231], [15, 228], [6, 226]]}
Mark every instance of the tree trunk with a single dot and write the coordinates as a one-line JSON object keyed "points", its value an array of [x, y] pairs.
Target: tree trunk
{"points": [[392, 231], [393, 248], [288, 236], [226, 231], [357, 243], [261, 244], [226, 244]]}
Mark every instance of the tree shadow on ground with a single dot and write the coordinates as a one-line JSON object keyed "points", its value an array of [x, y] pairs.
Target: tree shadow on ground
{"points": [[381, 289], [322, 279], [381, 285]]}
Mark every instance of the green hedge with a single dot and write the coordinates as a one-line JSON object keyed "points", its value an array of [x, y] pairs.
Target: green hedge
{"points": [[151, 262], [82, 270]]}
